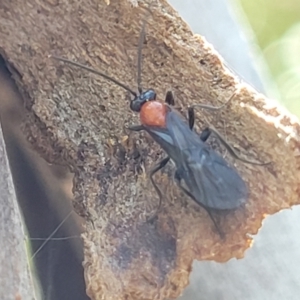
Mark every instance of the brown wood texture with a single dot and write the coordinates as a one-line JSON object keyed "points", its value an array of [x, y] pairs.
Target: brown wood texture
{"points": [[78, 119]]}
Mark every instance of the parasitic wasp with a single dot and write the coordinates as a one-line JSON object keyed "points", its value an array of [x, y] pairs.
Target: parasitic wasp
{"points": [[208, 178]]}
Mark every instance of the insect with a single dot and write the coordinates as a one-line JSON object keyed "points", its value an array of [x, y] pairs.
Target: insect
{"points": [[209, 180]]}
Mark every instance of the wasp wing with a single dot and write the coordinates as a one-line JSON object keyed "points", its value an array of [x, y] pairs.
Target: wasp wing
{"points": [[212, 181], [209, 178]]}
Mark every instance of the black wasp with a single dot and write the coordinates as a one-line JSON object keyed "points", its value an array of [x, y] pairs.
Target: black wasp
{"points": [[209, 180]]}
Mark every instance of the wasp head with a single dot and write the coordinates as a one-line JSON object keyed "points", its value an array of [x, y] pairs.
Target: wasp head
{"points": [[139, 100]]}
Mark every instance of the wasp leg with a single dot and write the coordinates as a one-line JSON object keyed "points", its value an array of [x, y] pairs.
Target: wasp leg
{"points": [[178, 179], [205, 134], [211, 130], [191, 109], [136, 127], [210, 107], [191, 119], [170, 98], [155, 169]]}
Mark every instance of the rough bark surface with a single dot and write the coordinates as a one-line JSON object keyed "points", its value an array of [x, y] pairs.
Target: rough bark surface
{"points": [[78, 119]]}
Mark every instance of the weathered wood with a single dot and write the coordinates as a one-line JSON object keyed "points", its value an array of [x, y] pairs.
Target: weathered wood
{"points": [[78, 119], [15, 279]]}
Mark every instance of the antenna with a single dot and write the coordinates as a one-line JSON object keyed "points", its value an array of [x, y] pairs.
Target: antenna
{"points": [[73, 63], [139, 57], [139, 63], [139, 54]]}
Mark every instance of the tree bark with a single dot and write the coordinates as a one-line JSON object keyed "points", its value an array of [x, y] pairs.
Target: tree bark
{"points": [[79, 120]]}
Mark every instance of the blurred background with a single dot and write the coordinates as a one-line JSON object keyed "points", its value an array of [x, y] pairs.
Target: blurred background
{"points": [[266, 33], [260, 41], [276, 25]]}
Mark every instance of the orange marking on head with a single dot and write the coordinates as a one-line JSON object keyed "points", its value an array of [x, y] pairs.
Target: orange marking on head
{"points": [[153, 113]]}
